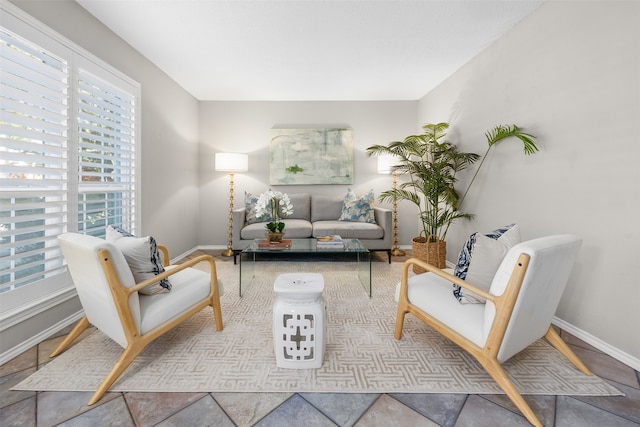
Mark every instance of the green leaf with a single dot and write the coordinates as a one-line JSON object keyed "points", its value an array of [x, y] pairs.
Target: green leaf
{"points": [[501, 132]]}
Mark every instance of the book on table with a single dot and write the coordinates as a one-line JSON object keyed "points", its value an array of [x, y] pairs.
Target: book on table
{"points": [[283, 244], [330, 242]]}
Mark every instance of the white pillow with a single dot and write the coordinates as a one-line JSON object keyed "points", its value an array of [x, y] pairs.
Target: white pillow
{"points": [[143, 257], [480, 258]]}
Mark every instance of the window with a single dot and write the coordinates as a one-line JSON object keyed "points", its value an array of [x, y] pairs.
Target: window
{"points": [[68, 126], [34, 132], [106, 156]]}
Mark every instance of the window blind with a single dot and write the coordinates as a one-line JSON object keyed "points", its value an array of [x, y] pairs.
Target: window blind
{"points": [[106, 150], [68, 144], [34, 127]]}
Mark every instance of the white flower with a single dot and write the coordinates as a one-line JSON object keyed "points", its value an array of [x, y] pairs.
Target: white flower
{"points": [[275, 204], [286, 206]]}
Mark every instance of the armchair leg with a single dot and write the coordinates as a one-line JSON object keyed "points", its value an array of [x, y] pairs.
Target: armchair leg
{"points": [[75, 332], [555, 340], [496, 371], [399, 322], [217, 313], [123, 362]]}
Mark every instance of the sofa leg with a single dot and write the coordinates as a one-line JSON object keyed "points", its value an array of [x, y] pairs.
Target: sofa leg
{"points": [[389, 255]]}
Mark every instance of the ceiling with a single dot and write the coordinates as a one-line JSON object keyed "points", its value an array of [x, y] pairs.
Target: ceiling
{"points": [[302, 50]]}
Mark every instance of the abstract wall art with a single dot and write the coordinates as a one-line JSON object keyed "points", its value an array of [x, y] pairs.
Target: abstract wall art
{"points": [[311, 156]]}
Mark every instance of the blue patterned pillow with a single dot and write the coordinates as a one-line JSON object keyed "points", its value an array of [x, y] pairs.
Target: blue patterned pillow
{"points": [[358, 209], [250, 201], [480, 258], [143, 257]]}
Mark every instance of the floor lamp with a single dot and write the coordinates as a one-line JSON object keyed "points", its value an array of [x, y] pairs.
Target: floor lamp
{"points": [[232, 163], [385, 166]]}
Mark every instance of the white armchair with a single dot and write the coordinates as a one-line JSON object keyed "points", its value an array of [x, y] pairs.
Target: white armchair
{"points": [[111, 301], [521, 303]]}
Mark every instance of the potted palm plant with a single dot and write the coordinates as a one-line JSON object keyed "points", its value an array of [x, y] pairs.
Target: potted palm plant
{"points": [[432, 165]]}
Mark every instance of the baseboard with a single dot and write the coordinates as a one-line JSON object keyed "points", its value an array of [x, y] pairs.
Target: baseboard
{"points": [[627, 359], [209, 248], [38, 338], [198, 248]]}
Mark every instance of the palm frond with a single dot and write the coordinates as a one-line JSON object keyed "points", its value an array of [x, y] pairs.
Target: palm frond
{"points": [[431, 165], [501, 132], [497, 134], [435, 131]]}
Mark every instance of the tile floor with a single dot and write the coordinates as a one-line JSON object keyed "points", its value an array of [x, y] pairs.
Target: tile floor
{"points": [[314, 409]]}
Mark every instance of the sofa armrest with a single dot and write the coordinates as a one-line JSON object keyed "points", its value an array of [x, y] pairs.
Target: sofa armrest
{"points": [[384, 220], [237, 225]]}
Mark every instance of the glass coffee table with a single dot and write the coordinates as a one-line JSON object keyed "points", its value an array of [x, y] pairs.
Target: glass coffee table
{"points": [[353, 248]]}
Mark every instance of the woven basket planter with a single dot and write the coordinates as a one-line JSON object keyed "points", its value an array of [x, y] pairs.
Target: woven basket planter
{"points": [[435, 253]]}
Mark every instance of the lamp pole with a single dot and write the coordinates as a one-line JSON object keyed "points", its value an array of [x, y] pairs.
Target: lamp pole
{"points": [[229, 250], [386, 162], [232, 163], [395, 251]]}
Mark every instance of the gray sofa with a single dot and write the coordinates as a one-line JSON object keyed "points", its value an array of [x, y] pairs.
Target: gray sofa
{"points": [[317, 215]]}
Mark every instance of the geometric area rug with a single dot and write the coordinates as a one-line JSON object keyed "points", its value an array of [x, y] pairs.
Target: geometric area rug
{"points": [[361, 354]]}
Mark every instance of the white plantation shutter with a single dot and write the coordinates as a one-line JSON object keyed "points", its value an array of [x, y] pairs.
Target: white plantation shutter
{"points": [[68, 144], [106, 156], [33, 164]]}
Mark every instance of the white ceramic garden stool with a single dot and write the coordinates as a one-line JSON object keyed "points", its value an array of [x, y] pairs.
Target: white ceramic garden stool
{"points": [[299, 320]]}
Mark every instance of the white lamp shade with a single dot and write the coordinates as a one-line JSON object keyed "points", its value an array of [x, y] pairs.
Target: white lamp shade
{"points": [[232, 162], [386, 162]]}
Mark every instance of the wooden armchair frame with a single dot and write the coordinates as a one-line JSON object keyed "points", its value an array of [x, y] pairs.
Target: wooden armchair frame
{"points": [[136, 343], [487, 355]]}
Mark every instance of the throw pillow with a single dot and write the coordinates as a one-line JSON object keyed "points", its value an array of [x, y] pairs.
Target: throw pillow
{"points": [[143, 257], [356, 209], [480, 258], [250, 201]]}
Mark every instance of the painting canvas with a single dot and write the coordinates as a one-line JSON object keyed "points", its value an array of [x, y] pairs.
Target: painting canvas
{"points": [[311, 156]]}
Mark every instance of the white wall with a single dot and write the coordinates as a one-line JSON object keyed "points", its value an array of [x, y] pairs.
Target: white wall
{"points": [[246, 126], [570, 74], [169, 124]]}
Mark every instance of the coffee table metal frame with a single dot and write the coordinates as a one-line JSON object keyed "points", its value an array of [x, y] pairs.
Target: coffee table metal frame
{"points": [[352, 248]]}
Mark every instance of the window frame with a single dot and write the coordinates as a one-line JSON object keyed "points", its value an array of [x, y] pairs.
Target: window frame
{"points": [[30, 299]]}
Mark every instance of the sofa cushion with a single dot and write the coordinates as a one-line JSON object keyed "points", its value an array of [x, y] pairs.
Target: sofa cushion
{"points": [[348, 230], [358, 209], [190, 286], [143, 257], [300, 202], [301, 206], [480, 258], [326, 208], [432, 294], [293, 229]]}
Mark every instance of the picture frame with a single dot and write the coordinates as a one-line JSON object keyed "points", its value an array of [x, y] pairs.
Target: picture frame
{"points": [[318, 156]]}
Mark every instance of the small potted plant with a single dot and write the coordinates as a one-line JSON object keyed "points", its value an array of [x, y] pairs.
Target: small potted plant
{"points": [[273, 206], [432, 165]]}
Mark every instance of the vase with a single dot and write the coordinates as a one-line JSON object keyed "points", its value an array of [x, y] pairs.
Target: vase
{"points": [[274, 237], [433, 252]]}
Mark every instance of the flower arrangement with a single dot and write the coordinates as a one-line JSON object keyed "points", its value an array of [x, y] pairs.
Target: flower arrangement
{"points": [[274, 205]]}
